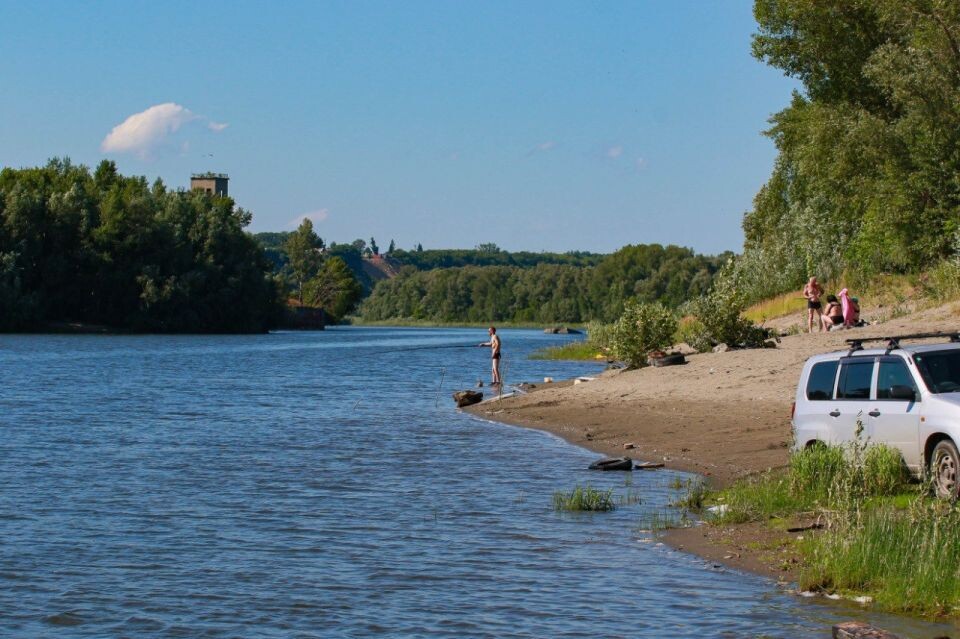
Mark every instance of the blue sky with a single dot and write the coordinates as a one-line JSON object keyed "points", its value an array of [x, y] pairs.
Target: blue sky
{"points": [[535, 125]]}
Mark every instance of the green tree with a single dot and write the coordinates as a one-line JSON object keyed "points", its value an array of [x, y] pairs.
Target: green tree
{"points": [[392, 247], [303, 251], [373, 247], [334, 288]]}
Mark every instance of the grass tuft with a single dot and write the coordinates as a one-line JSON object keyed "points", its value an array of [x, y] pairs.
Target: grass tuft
{"points": [[584, 498]]}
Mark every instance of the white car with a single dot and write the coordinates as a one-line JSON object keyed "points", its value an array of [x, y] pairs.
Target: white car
{"points": [[905, 396]]}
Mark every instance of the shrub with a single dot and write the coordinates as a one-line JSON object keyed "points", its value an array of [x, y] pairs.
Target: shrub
{"points": [[719, 313], [641, 329]]}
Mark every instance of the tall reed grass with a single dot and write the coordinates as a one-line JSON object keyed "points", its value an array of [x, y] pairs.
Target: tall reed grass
{"points": [[907, 560], [882, 537]]}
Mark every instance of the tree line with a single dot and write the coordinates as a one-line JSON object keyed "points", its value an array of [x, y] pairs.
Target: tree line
{"points": [[545, 292], [867, 177], [107, 249]]}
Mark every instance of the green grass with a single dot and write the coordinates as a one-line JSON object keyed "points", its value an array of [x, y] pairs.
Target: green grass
{"points": [[907, 560], [584, 498], [818, 478], [578, 350], [883, 536]]}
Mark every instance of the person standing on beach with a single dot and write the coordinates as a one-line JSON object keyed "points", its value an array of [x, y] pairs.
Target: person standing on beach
{"points": [[812, 291], [494, 345]]}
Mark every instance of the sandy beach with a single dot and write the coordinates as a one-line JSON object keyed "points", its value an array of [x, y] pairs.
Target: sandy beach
{"points": [[722, 415]]}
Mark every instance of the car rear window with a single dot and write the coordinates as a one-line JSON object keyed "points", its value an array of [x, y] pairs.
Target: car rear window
{"points": [[855, 380], [820, 383]]}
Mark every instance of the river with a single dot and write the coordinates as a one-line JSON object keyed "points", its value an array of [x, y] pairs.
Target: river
{"points": [[322, 485]]}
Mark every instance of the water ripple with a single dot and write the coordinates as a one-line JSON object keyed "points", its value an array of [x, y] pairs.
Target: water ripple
{"points": [[306, 485]]}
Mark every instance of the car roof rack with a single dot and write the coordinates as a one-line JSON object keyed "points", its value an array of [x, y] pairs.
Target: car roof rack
{"points": [[893, 341]]}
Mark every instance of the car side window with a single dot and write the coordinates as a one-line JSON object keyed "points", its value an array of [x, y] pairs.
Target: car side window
{"points": [[855, 380], [821, 380], [893, 373]]}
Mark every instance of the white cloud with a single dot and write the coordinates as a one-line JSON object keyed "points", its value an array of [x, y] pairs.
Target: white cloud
{"points": [[641, 164], [143, 132], [614, 152], [314, 216], [542, 147]]}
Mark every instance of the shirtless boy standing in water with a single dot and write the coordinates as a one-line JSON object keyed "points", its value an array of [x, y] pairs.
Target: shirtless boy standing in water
{"points": [[494, 345]]}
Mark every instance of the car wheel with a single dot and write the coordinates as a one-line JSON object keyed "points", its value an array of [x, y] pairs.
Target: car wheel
{"points": [[944, 470]]}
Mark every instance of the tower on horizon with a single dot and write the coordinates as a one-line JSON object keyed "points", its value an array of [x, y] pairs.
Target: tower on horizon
{"points": [[212, 183]]}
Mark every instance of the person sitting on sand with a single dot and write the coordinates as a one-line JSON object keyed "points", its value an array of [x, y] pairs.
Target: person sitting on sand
{"points": [[494, 345], [812, 292], [832, 314], [855, 306]]}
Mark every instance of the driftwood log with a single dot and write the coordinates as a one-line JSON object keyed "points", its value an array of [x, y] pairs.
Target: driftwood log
{"points": [[859, 630], [467, 398]]}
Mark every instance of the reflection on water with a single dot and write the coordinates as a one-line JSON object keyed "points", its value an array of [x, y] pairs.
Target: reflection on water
{"points": [[321, 485]]}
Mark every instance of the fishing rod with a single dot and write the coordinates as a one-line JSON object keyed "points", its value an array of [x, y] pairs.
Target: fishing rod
{"points": [[428, 348]]}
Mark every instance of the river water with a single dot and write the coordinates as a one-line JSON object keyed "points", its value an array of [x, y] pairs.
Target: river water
{"points": [[322, 485]]}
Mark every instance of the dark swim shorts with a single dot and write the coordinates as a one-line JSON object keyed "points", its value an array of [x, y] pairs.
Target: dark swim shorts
{"points": [[495, 356], [813, 303]]}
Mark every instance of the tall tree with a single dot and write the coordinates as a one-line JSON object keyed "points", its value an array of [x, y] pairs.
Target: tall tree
{"points": [[303, 249], [334, 288]]}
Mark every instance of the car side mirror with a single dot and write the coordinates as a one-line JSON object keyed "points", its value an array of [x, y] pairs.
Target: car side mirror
{"points": [[903, 393]]}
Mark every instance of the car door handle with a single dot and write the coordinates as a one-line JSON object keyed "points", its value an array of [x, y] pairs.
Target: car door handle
{"points": [[874, 413], [834, 413]]}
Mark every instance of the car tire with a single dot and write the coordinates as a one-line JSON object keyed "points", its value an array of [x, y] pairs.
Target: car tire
{"points": [[945, 470]]}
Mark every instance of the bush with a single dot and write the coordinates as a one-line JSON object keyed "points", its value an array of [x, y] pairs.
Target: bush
{"points": [[641, 329], [719, 314]]}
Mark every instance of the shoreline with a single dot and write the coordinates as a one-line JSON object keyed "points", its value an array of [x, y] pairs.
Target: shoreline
{"points": [[724, 416]]}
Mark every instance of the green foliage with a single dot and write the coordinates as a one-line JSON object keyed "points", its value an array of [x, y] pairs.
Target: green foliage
{"points": [[333, 288], [303, 252], [719, 319], [868, 176], [584, 498], [542, 292], [489, 255], [693, 496], [114, 250], [641, 329], [820, 477], [907, 561]]}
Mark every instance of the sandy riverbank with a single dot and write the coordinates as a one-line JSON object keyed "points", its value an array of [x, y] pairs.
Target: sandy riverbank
{"points": [[723, 415]]}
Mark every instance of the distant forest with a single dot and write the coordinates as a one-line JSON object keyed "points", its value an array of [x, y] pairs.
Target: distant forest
{"points": [[545, 292], [105, 249], [489, 284]]}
